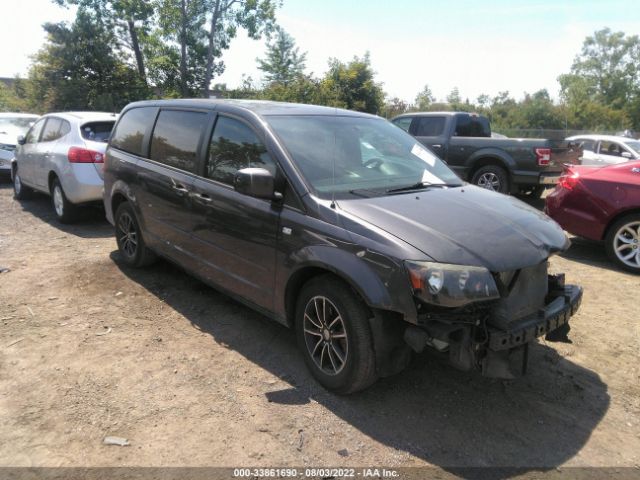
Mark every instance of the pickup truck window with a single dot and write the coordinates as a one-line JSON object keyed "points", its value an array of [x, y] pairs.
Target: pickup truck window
{"points": [[430, 126], [404, 123], [472, 126]]}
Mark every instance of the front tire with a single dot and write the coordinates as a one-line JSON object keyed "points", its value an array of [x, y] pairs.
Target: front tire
{"points": [[20, 190], [333, 333], [66, 212], [131, 245], [492, 177], [623, 243]]}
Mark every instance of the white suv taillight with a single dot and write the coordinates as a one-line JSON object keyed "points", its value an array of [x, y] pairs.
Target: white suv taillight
{"points": [[84, 155]]}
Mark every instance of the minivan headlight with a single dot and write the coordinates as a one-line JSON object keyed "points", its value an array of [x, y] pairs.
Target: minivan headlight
{"points": [[450, 285]]}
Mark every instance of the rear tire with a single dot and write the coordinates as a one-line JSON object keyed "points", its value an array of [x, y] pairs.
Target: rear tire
{"points": [[492, 177], [131, 245], [66, 212], [20, 190], [622, 243], [334, 336]]}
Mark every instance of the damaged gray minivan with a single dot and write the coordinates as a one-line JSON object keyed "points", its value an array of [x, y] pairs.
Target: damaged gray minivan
{"points": [[339, 225]]}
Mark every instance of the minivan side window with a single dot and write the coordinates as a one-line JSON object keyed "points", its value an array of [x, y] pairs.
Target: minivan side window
{"points": [[404, 123], [234, 146], [129, 135], [34, 133], [430, 126], [175, 138]]}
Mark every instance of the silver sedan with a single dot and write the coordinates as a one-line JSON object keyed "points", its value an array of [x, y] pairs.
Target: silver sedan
{"points": [[62, 155]]}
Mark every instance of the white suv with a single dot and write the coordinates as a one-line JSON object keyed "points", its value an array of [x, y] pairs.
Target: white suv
{"points": [[607, 149]]}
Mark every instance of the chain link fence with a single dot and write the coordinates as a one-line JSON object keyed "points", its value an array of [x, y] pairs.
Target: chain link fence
{"points": [[555, 134]]}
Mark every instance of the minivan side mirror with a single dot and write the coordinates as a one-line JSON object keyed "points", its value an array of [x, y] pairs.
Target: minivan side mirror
{"points": [[627, 155], [255, 182], [21, 140]]}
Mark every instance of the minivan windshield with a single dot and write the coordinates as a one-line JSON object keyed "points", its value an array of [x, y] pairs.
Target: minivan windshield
{"points": [[343, 156]]}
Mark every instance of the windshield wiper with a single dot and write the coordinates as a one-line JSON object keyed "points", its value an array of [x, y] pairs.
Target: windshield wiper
{"points": [[420, 185]]}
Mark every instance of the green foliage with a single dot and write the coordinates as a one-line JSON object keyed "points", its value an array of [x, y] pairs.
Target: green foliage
{"points": [[79, 69], [603, 86], [394, 107], [351, 85], [283, 62], [14, 99], [424, 99]]}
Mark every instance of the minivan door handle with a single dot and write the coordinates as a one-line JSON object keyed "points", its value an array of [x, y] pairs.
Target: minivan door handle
{"points": [[203, 196], [180, 189]]}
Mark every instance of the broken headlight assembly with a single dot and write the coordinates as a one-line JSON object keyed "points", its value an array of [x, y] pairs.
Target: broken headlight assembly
{"points": [[450, 285]]}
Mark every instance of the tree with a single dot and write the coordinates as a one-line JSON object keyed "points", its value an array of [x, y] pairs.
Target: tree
{"points": [[78, 68], [180, 41], [130, 20], [424, 99], [283, 62], [10, 101], [255, 16], [352, 85], [454, 97], [606, 73], [394, 107]]}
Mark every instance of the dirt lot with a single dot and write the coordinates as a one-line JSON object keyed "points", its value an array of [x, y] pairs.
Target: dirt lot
{"points": [[89, 348]]}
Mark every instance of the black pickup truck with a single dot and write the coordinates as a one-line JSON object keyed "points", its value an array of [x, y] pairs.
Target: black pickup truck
{"points": [[507, 165]]}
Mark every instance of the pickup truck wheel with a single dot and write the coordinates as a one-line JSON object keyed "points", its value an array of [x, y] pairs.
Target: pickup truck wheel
{"points": [[492, 177], [623, 243], [333, 333], [129, 238]]}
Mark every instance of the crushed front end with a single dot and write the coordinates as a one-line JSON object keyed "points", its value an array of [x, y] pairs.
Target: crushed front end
{"points": [[487, 324]]}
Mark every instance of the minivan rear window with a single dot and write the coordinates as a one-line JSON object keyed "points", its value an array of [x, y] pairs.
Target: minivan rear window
{"points": [[129, 134], [175, 138], [97, 131]]}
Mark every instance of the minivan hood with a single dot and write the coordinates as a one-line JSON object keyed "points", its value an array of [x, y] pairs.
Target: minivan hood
{"points": [[465, 225]]}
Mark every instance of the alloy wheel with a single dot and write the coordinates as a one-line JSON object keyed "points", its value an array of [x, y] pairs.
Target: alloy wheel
{"points": [[626, 244], [325, 335], [127, 235], [490, 181], [58, 200], [17, 184]]}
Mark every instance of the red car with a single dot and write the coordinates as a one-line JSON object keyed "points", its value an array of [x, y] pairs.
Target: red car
{"points": [[602, 204]]}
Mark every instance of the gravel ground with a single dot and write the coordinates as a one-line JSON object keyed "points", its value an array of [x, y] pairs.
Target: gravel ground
{"points": [[90, 348]]}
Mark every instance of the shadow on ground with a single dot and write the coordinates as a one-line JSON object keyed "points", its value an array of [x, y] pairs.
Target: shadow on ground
{"points": [[445, 417], [91, 222]]}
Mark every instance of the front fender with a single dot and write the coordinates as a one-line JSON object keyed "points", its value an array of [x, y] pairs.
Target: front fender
{"points": [[379, 280]]}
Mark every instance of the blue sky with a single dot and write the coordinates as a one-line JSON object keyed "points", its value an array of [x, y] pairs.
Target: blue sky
{"points": [[480, 47]]}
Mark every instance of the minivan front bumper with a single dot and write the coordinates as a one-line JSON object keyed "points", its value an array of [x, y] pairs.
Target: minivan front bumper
{"points": [[471, 342], [553, 316]]}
